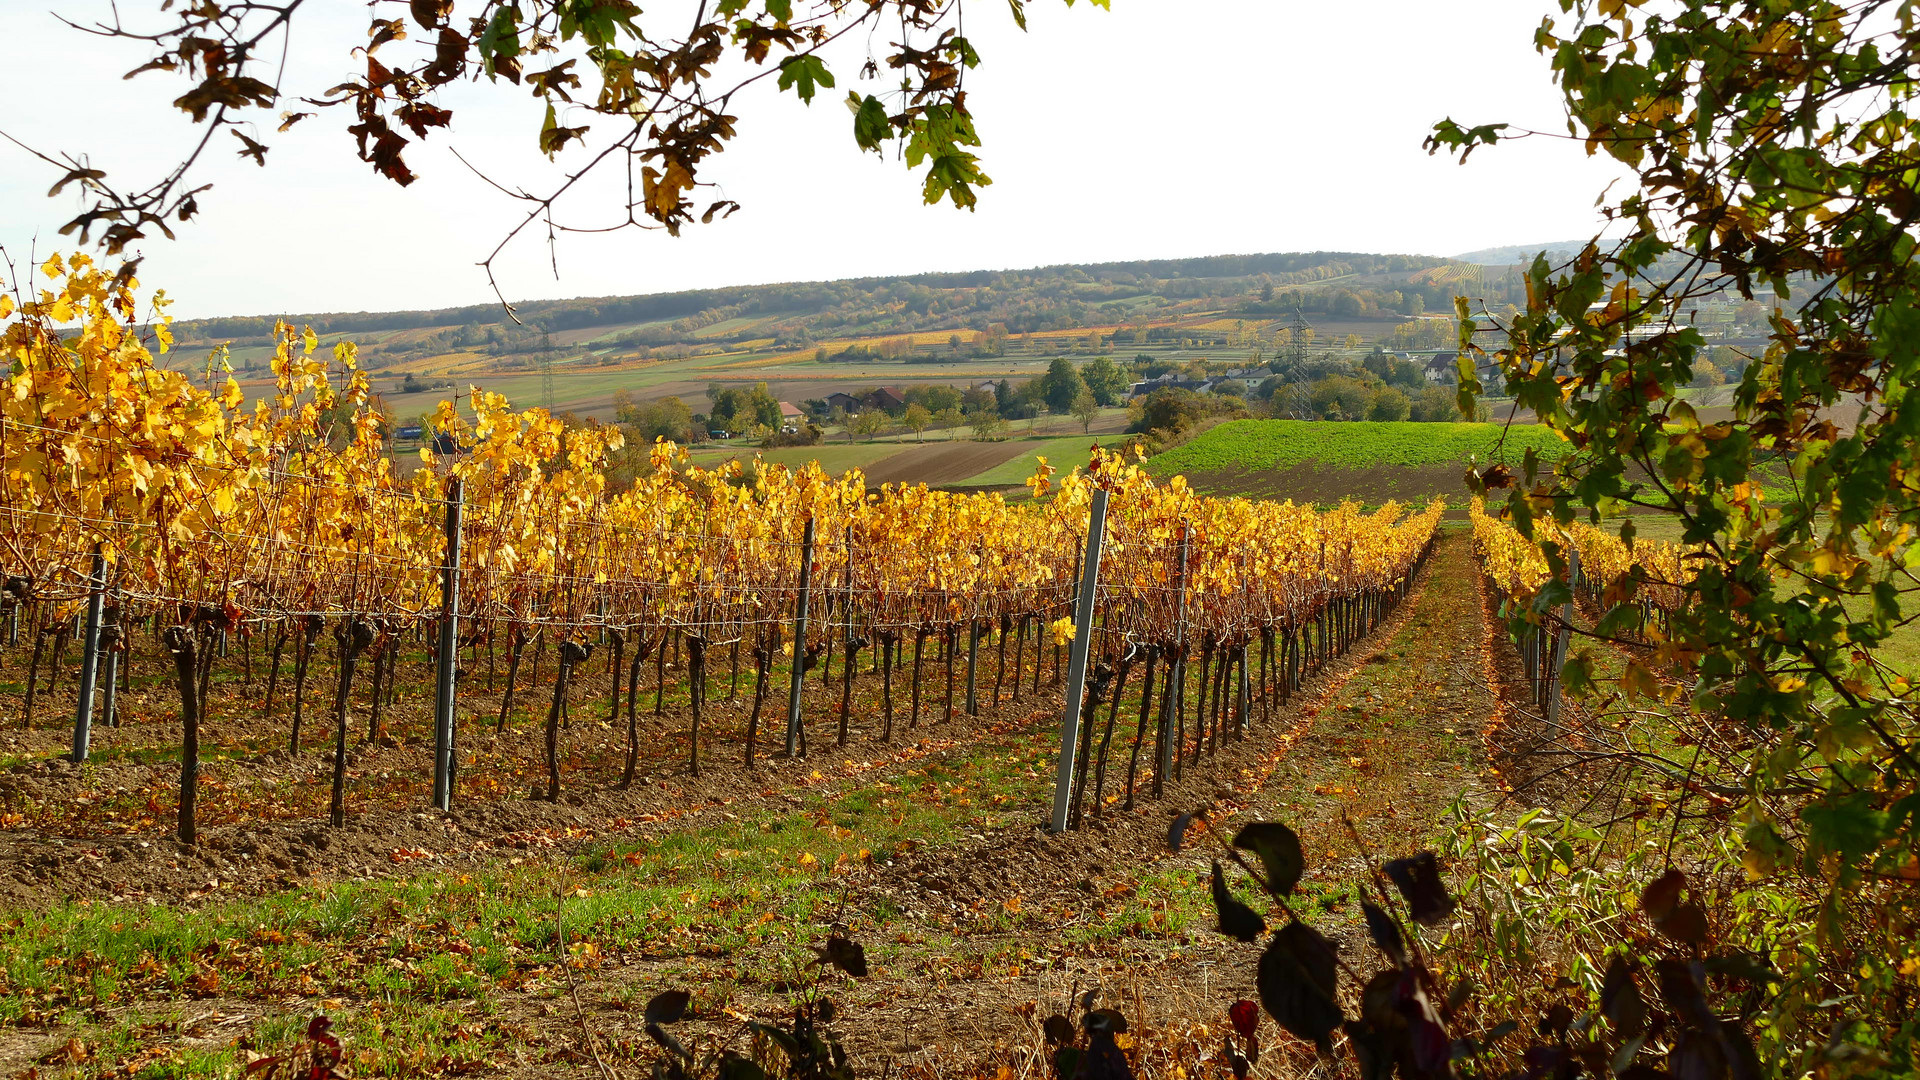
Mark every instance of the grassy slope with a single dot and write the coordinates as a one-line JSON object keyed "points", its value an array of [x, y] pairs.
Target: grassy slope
{"points": [[1062, 452], [1272, 444]]}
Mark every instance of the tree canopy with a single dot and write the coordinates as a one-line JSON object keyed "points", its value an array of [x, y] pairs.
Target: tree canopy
{"points": [[659, 93], [1775, 143]]}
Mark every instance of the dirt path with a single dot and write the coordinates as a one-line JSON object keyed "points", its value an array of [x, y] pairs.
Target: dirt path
{"points": [[1387, 737]]}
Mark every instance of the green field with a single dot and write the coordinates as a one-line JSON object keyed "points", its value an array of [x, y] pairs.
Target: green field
{"points": [[1063, 452], [1359, 444]]}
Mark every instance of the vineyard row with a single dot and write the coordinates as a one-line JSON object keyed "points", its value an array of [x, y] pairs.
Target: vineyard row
{"points": [[1641, 583], [132, 495]]}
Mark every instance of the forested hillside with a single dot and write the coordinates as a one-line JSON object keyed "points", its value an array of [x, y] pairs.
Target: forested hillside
{"points": [[799, 314]]}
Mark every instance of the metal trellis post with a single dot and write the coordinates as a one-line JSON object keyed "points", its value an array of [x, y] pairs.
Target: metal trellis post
{"points": [[795, 687], [1246, 693], [1077, 660], [1561, 639], [90, 657], [449, 647], [110, 642], [1176, 671]]}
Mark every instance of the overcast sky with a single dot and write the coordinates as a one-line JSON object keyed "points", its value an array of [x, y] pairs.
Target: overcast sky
{"points": [[1160, 128]]}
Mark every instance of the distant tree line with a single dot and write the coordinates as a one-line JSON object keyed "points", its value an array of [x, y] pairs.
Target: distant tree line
{"points": [[1379, 386], [1324, 386]]}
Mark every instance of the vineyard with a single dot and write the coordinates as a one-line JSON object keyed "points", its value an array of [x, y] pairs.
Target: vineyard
{"points": [[146, 518], [1640, 583], [548, 747], [420, 712]]}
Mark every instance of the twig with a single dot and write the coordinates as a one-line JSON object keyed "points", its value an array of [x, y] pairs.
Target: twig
{"points": [[573, 985]]}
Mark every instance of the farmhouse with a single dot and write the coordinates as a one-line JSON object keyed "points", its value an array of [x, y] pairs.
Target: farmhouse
{"points": [[1441, 366], [1171, 380], [886, 398]]}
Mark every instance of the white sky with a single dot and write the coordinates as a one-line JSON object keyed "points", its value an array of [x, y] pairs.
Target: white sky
{"points": [[1162, 128]]}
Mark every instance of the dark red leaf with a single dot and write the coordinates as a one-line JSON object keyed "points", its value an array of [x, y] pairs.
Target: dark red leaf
{"points": [[1237, 920], [667, 1007], [1245, 1016], [1177, 832], [1296, 984], [1659, 897]]}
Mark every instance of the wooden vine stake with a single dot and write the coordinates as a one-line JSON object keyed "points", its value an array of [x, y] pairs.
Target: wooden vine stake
{"points": [[353, 638], [179, 641]]}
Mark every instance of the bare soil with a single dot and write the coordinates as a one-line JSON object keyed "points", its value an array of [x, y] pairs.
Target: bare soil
{"points": [[944, 462], [104, 830]]}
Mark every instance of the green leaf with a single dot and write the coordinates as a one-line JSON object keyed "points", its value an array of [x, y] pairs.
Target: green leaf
{"points": [[1846, 825], [962, 51], [501, 37], [1576, 675], [935, 138], [804, 74], [1449, 135], [871, 126], [1468, 376]]}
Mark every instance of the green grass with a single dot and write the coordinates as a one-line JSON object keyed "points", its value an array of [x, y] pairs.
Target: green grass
{"points": [[1062, 452], [422, 946], [1361, 444]]}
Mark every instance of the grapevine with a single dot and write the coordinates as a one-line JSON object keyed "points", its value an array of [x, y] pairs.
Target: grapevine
{"points": [[289, 521], [1654, 573]]}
